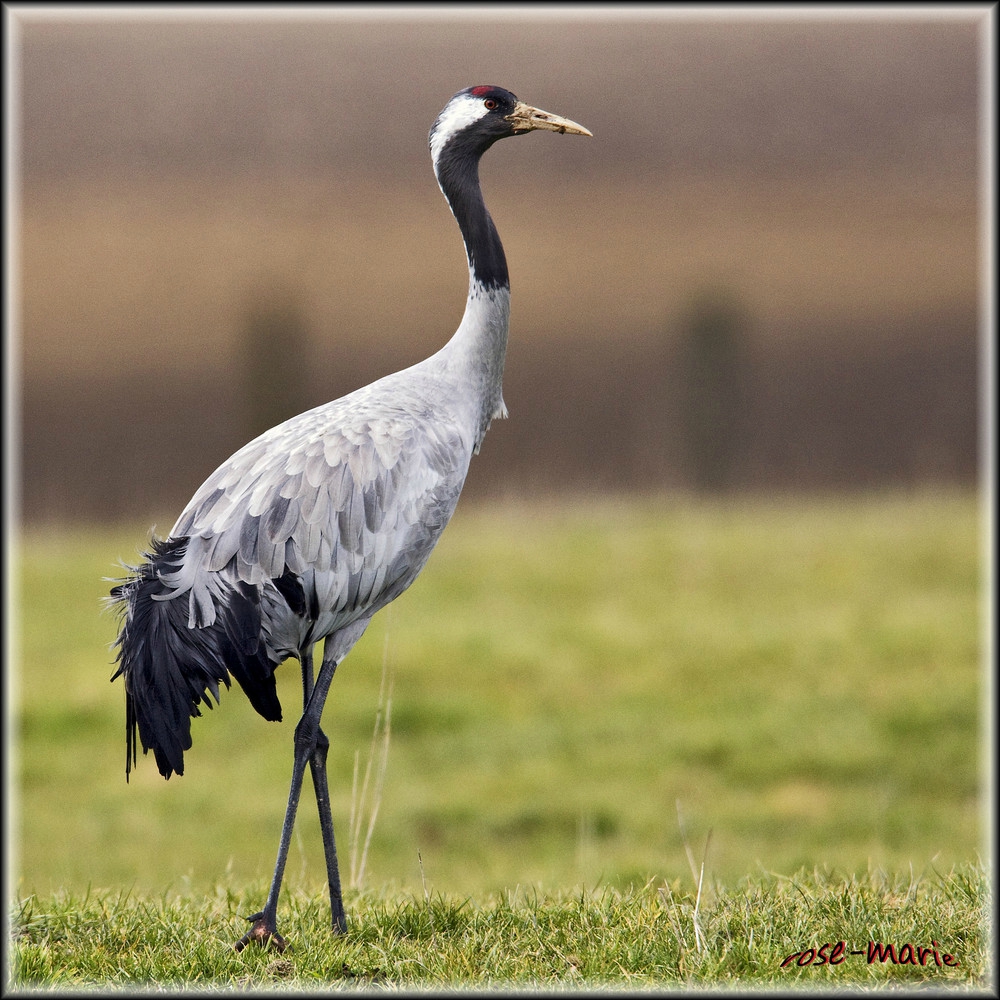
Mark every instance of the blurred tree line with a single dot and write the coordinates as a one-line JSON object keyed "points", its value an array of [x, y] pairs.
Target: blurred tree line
{"points": [[704, 405]]}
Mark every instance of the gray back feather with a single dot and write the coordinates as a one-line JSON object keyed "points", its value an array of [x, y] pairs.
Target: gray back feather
{"points": [[350, 496]]}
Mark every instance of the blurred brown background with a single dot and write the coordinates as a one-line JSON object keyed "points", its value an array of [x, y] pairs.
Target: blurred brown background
{"points": [[761, 273]]}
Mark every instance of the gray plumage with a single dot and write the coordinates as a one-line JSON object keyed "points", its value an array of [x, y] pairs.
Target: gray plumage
{"points": [[313, 527], [350, 496]]}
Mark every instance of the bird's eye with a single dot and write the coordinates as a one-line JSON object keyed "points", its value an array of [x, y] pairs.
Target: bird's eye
{"points": [[489, 104]]}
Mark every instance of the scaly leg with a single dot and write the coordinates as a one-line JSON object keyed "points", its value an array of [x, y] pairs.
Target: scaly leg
{"points": [[317, 765], [307, 738]]}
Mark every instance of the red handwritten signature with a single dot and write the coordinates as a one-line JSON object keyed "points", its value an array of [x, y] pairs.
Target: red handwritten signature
{"points": [[833, 953]]}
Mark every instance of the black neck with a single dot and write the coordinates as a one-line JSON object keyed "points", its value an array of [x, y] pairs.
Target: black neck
{"points": [[458, 175]]}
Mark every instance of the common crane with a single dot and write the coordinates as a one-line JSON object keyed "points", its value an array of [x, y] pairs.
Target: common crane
{"points": [[315, 525]]}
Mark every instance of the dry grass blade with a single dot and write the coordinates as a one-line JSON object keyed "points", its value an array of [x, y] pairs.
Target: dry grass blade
{"points": [[369, 797], [697, 873]]}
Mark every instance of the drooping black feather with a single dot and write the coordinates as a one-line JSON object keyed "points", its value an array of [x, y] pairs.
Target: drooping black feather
{"points": [[169, 668], [290, 588]]}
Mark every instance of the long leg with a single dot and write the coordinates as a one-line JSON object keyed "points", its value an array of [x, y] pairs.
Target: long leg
{"points": [[317, 766], [264, 924]]}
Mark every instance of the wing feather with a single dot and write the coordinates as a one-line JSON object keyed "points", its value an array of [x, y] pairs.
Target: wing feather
{"points": [[281, 518], [291, 486], [249, 533], [349, 499], [225, 545], [340, 486], [317, 469], [296, 462], [315, 505]]}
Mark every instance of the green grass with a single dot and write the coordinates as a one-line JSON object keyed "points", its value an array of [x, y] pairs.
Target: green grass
{"points": [[803, 678], [764, 931]]}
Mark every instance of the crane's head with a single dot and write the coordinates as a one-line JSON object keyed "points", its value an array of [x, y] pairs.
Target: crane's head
{"points": [[476, 117]]}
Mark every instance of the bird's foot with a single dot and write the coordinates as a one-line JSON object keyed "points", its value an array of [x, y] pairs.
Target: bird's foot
{"points": [[262, 932]]}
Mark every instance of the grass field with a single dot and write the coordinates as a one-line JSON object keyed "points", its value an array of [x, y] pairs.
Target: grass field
{"points": [[582, 693], [812, 929]]}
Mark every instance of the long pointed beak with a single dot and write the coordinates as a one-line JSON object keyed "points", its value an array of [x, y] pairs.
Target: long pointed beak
{"points": [[525, 118]]}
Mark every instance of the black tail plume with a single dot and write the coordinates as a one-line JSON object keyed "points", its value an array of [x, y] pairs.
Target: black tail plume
{"points": [[169, 668]]}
